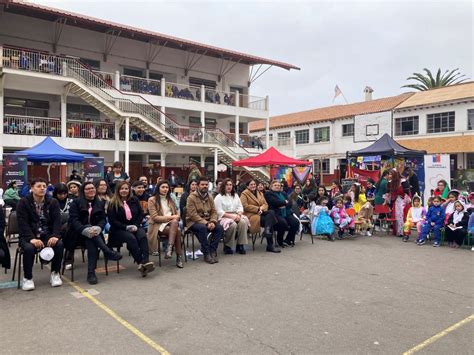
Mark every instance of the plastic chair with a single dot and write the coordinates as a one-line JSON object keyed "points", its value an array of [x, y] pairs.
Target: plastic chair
{"points": [[186, 235], [386, 222]]}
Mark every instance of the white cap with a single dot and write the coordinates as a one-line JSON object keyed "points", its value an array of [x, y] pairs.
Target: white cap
{"points": [[46, 254]]}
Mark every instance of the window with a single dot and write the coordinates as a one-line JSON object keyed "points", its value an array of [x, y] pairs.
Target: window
{"points": [[317, 167], [406, 126], [441, 122], [198, 82], [302, 136], [91, 63], [470, 161], [139, 73], [321, 134], [470, 120], [26, 107], [284, 138], [155, 76], [348, 130], [210, 123], [82, 112], [232, 127]]}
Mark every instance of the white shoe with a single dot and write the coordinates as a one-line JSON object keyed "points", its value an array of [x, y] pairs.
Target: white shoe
{"points": [[369, 234], [55, 279], [155, 253], [68, 266], [28, 285]]}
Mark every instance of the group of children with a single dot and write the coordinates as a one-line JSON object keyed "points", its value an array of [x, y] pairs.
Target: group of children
{"points": [[342, 212]]}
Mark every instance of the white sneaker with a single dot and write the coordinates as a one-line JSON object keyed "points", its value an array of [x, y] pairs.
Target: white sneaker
{"points": [[369, 234], [68, 266], [28, 285], [155, 253], [55, 279]]}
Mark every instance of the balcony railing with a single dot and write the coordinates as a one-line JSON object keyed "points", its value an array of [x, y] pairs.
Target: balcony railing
{"points": [[32, 126], [90, 129], [136, 135], [140, 85], [253, 102], [180, 91], [109, 78]]}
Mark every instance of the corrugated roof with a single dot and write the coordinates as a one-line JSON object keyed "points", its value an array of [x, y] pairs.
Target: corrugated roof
{"points": [[331, 113], [91, 23], [439, 95]]}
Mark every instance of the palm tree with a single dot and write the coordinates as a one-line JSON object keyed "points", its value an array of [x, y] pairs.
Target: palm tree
{"points": [[427, 81]]}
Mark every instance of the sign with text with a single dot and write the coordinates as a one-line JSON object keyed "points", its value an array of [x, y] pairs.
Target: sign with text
{"points": [[93, 168], [437, 167], [15, 167]]}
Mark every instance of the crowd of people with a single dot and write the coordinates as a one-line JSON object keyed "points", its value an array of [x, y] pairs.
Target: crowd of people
{"points": [[103, 215]]}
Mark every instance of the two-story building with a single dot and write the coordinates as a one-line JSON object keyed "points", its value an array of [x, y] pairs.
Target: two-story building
{"points": [[123, 93], [438, 121]]}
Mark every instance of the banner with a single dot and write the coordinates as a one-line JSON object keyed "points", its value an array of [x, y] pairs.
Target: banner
{"points": [[282, 172], [437, 167], [15, 167], [362, 175], [93, 168], [300, 173]]}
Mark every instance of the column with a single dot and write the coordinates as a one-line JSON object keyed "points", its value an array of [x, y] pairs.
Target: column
{"points": [[267, 132], [203, 160], [237, 133], [216, 162], [63, 116], [117, 79], [117, 141], [2, 81], [163, 165], [162, 116], [163, 87], [203, 93], [127, 144], [203, 124], [237, 99]]}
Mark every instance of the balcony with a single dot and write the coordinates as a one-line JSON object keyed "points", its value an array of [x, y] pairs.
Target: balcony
{"points": [[32, 126], [90, 130]]}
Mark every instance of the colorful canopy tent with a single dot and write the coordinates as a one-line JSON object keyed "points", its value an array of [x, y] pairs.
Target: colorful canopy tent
{"points": [[50, 151], [386, 146], [270, 157]]}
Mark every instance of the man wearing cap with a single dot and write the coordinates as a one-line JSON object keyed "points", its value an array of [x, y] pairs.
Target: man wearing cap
{"points": [[75, 176], [195, 173], [39, 224]]}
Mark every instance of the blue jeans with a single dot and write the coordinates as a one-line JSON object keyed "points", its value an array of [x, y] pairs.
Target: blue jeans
{"points": [[427, 228], [201, 232]]}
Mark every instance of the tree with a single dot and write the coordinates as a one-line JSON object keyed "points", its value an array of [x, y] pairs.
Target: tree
{"points": [[427, 81]]}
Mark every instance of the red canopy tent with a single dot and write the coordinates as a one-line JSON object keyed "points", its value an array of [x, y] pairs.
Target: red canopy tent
{"points": [[270, 157]]}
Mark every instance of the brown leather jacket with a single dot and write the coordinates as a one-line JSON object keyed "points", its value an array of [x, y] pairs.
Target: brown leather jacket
{"points": [[200, 210]]}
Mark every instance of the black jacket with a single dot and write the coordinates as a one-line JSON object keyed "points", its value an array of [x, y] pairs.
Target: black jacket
{"points": [[117, 218], [274, 203], [29, 222], [463, 223], [3, 243]]}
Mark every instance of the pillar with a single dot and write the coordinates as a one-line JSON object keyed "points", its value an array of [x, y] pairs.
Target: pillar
{"points": [[163, 165], [63, 116], [237, 99], [267, 132], [2, 81], [237, 133], [163, 87], [117, 79], [203, 160], [163, 117], [203, 124], [127, 144], [117, 141], [216, 162], [203, 93]]}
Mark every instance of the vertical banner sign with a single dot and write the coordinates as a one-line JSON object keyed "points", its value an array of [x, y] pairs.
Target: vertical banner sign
{"points": [[93, 168], [436, 168], [15, 167]]}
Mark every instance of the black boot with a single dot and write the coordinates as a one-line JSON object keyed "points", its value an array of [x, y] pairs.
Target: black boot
{"points": [[270, 247], [91, 278]]}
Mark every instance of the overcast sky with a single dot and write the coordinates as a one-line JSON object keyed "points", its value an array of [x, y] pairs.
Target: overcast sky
{"points": [[348, 43]]}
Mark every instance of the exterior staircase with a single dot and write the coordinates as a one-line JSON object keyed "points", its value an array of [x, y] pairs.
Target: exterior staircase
{"points": [[118, 105]]}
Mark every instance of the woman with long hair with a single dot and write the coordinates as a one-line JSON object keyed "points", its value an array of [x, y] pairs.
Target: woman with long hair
{"points": [[125, 218], [381, 188], [103, 192], [87, 222], [397, 203], [60, 193], [164, 222]]}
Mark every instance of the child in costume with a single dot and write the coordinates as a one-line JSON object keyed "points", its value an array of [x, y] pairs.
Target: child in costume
{"points": [[321, 223], [341, 219], [415, 218]]}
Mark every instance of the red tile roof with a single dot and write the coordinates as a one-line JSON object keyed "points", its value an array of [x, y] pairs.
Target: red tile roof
{"points": [[91, 23], [331, 113]]}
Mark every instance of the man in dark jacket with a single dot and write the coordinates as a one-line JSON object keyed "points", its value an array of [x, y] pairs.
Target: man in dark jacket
{"points": [[4, 251], [39, 224]]}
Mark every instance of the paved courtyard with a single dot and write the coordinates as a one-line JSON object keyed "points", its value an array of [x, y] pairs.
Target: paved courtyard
{"points": [[360, 296]]}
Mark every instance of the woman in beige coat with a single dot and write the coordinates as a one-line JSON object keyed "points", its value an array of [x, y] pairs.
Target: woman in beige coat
{"points": [[256, 210], [164, 222]]}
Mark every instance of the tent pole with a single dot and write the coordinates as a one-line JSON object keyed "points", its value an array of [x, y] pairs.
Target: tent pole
{"points": [[127, 144]]}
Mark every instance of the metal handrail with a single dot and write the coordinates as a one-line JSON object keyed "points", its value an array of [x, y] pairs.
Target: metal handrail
{"points": [[130, 83], [31, 125]]}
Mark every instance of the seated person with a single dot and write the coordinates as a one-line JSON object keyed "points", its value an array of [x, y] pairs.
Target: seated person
{"points": [[230, 214], [415, 218], [281, 205], [4, 250], [39, 224], [125, 217], [201, 219], [256, 209], [434, 222], [457, 226], [192, 187], [11, 196], [164, 222], [321, 223], [341, 219], [74, 188], [139, 191], [86, 222]]}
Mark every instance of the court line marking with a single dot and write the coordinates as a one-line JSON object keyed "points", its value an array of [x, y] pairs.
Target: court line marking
{"points": [[119, 319], [439, 335]]}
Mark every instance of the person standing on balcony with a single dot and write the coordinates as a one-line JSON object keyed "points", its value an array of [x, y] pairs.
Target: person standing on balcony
{"points": [[117, 175], [195, 173]]}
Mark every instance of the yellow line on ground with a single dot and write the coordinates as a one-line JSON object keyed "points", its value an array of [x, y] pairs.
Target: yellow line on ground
{"points": [[439, 335], [119, 319]]}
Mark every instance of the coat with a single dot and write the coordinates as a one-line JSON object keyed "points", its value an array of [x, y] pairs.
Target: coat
{"points": [[275, 202], [79, 219], [29, 222], [251, 205], [435, 214], [200, 210], [6, 262], [117, 218], [156, 217]]}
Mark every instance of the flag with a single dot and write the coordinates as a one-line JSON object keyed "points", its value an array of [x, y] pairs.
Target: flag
{"points": [[436, 158], [337, 92]]}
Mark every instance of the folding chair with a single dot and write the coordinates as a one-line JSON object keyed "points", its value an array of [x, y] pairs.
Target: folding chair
{"points": [[12, 230], [186, 235]]}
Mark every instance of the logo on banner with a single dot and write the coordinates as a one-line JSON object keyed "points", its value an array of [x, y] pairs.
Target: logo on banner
{"points": [[436, 158], [301, 173]]}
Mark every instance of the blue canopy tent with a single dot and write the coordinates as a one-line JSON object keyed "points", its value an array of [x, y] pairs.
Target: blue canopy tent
{"points": [[49, 151]]}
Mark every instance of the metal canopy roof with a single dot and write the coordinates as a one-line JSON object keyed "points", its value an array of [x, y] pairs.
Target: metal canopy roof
{"points": [[90, 23]]}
